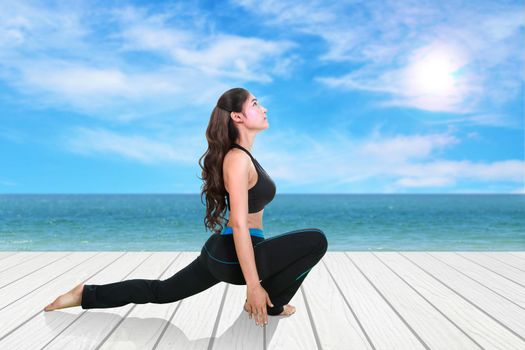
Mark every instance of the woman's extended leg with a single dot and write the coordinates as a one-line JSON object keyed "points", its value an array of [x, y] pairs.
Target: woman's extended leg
{"points": [[192, 279], [284, 261]]}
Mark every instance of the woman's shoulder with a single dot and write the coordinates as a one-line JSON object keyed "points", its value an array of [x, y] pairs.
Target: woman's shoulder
{"points": [[235, 155], [236, 161]]}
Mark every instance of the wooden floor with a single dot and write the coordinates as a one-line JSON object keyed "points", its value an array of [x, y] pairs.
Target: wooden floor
{"points": [[350, 300]]}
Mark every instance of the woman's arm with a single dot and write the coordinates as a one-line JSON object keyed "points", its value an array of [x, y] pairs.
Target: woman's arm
{"points": [[244, 249], [235, 174]]}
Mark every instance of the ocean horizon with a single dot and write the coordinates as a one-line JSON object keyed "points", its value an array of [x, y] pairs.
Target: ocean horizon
{"points": [[351, 222]]}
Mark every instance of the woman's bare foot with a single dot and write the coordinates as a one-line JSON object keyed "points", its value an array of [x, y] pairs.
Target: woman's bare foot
{"points": [[69, 299], [287, 309]]}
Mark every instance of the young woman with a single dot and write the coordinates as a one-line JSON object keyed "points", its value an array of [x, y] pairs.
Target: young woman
{"points": [[271, 268]]}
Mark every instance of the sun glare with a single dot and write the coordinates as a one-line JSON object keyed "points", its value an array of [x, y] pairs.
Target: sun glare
{"points": [[433, 73]]}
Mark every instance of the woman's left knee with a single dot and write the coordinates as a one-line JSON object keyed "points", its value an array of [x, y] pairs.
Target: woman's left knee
{"points": [[322, 241]]}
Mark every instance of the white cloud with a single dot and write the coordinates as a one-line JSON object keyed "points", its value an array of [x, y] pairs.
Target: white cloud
{"points": [[383, 37], [220, 55], [135, 147], [217, 55], [57, 57], [426, 182], [403, 148], [395, 163], [429, 81], [329, 163], [38, 29]]}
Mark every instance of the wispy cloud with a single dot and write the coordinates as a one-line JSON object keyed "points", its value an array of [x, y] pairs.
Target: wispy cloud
{"points": [[396, 163], [55, 56], [386, 40], [147, 76], [216, 55], [498, 120], [135, 147]]}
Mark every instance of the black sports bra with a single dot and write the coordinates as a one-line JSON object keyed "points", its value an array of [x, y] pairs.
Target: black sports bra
{"points": [[262, 192]]}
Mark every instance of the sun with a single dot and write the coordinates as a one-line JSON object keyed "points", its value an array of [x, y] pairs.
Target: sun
{"points": [[433, 72]]}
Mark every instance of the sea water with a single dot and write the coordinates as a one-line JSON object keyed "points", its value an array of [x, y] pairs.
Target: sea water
{"points": [[351, 222]]}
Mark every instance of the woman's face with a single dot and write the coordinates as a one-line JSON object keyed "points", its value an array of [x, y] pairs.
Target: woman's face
{"points": [[255, 113]]}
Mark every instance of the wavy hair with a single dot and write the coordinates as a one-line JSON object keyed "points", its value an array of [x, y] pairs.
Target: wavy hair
{"points": [[221, 134]]}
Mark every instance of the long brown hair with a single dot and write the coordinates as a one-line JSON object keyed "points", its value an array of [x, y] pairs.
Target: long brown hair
{"points": [[221, 134]]}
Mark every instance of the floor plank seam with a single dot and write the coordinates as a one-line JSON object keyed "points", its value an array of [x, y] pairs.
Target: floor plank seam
{"points": [[310, 317], [517, 256], [31, 257], [467, 300], [391, 306], [40, 286], [132, 308], [449, 291], [37, 313], [504, 262], [86, 311], [10, 255], [349, 306], [218, 317], [168, 322], [481, 284], [495, 272], [430, 303], [34, 271]]}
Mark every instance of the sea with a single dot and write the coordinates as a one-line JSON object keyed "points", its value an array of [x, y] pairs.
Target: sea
{"points": [[351, 222]]}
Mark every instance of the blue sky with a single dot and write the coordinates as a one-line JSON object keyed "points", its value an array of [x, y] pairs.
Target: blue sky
{"points": [[362, 97]]}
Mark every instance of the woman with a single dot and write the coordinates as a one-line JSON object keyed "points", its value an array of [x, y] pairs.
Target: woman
{"points": [[272, 269]]}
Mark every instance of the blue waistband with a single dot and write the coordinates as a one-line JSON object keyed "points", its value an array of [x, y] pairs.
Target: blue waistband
{"points": [[227, 230]]}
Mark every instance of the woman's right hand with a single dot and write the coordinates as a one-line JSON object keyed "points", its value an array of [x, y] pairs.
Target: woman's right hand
{"points": [[257, 299]]}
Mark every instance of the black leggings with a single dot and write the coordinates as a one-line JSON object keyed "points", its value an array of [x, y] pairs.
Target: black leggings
{"points": [[282, 261]]}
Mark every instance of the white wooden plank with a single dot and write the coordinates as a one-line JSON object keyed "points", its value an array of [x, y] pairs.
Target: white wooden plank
{"points": [[139, 334], [502, 310], [483, 317], [504, 262], [146, 323], [25, 286], [6, 254], [25, 267], [194, 320], [12, 260], [433, 329], [519, 254], [498, 262], [24, 303], [486, 332], [291, 332], [334, 321], [507, 259], [49, 324], [485, 270], [88, 328], [381, 324], [235, 329]]}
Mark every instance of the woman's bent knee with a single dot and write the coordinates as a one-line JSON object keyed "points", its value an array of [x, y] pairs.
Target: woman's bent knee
{"points": [[316, 238], [322, 241]]}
